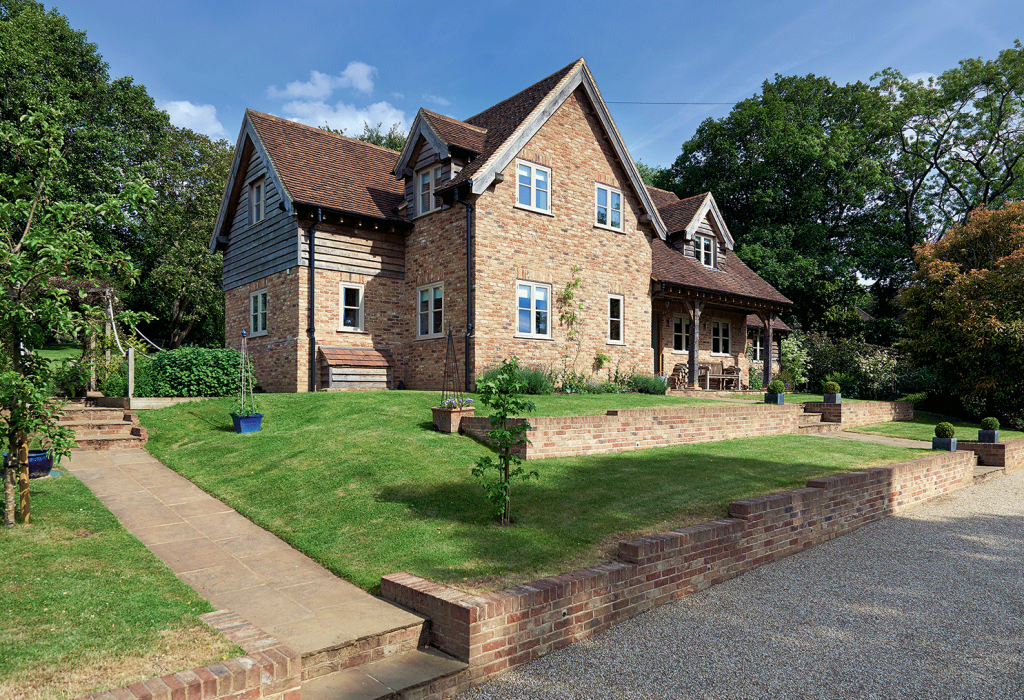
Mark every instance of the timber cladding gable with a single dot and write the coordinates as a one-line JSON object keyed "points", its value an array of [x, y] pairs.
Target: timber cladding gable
{"points": [[547, 187]]}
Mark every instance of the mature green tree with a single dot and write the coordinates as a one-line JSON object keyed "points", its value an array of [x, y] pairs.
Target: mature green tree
{"points": [[797, 171], [394, 138], [965, 311], [180, 282], [45, 244], [655, 175]]}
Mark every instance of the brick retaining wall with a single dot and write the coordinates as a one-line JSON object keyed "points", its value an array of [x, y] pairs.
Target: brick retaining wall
{"points": [[268, 671], [852, 414], [1007, 455], [639, 429], [497, 631]]}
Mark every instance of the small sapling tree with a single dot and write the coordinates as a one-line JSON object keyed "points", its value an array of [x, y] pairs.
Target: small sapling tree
{"points": [[501, 395]]}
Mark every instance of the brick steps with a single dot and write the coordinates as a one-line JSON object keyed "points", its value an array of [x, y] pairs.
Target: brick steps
{"points": [[103, 428]]}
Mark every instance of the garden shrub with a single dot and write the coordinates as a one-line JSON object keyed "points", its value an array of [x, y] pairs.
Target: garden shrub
{"points": [[535, 381], [647, 384], [945, 430], [188, 371], [990, 423], [830, 388], [776, 386], [755, 381]]}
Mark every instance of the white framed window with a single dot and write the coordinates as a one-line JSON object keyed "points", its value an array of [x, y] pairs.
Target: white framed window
{"points": [[430, 310], [607, 207], [616, 315], [351, 302], [757, 348], [257, 203], [719, 337], [426, 182], [704, 250], [258, 313], [533, 187], [680, 334], [533, 302]]}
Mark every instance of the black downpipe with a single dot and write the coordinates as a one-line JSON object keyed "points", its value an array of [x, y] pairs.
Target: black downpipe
{"points": [[469, 272], [311, 330]]}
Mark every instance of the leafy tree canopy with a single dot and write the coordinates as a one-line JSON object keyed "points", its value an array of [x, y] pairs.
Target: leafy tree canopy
{"points": [[394, 138]]}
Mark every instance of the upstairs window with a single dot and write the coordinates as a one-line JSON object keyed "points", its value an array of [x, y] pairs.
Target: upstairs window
{"points": [[533, 187], [257, 194], [704, 251], [680, 335], [430, 310], [616, 302], [258, 313], [532, 310], [352, 307], [608, 207], [719, 337], [426, 182]]}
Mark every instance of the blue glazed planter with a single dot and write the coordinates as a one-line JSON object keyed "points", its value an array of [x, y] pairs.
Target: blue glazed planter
{"points": [[247, 424], [778, 399], [40, 462]]}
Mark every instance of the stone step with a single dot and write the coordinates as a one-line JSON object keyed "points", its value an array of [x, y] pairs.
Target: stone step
{"points": [[364, 650], [818, 428], [414, 673], [98, 427], [86, 414], [137, 438], [987, 473]]}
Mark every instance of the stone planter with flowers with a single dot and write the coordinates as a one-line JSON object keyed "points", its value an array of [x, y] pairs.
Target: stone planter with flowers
{"points": [[449, 414]]}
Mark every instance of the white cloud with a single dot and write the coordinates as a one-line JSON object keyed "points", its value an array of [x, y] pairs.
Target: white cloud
{"points": [[398, 95], [199, 118], [344, 116], [357, 75], [925, 76], [437, 100]]}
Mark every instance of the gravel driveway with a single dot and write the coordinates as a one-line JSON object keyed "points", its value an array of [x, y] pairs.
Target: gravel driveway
{"points": [[927, 604]]}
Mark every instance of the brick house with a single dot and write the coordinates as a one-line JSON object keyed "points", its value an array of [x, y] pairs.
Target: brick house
{"points": [[347, 263]]}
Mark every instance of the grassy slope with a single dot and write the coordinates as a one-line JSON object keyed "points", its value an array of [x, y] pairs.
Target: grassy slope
{"points": [[86, 606], [61, 352], [362, 483], [923, 428]]}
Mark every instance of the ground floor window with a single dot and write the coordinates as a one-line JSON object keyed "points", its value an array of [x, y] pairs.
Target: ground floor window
{"points": [[532, 309], [430, 310], [258, 312], [352, 307], [680, 334], [757, 348], [719, 337], [616, 304]]}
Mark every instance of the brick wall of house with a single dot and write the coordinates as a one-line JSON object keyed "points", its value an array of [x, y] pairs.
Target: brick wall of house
{"points": [[503, 629], [516, 244], [1007, 455], [640, 429], [275, 355], [852, 414]]}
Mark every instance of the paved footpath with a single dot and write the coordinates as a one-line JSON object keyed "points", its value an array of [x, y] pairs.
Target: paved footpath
{"points": [[928, 604], [230, 561]]}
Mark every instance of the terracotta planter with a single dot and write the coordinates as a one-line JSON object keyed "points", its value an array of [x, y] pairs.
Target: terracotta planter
{"points": [[447, 420]]}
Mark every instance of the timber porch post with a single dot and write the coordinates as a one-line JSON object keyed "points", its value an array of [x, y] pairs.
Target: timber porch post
{"points": [[695, 308], [768, 319]]}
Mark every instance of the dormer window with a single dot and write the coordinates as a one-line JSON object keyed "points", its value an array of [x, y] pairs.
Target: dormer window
{"points": [[704, 251], [256, 204], [426, 182]]}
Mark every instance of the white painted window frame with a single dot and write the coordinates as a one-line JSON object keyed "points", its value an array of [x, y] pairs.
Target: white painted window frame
{"points": [[257, 209], [685, 323], [757, 346], [719, 324], [534, 286], [534, 167], [361, 308], [609, 190], [704, 250], [621, 340], [258, 315], [430, 310], [434, 173]]}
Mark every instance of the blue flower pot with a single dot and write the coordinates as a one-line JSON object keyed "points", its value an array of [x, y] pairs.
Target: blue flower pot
{"points": [[247, 424], [40, 462]]}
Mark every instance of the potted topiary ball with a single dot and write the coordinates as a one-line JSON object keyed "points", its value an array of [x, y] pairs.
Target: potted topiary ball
{"points": [[989, 430], [944, 439], [831, 391], [776, 393]]}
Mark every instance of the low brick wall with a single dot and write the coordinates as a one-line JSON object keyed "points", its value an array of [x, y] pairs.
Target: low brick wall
{"points": [[852, 414], [1007, 455], [497, 631], [268, 671], [639, 429]]}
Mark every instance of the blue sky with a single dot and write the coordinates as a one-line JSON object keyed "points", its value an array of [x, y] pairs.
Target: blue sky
{"points": [[205, 62]]}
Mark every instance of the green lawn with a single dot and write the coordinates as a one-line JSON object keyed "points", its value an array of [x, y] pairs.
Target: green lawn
{"points": [[923, 428], [363, 484], [86, 606], [61, 352], [595, 404]]}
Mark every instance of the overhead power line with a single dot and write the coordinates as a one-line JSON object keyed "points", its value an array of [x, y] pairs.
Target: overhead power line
{"points": [[611, 102]]}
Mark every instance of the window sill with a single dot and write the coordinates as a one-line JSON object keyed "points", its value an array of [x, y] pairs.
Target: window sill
{"points": [[436, 336], [260, 334], [610, 228], [680, 352], [615, 342], [524, 336], [721, 354], [357, 331], [427, 213], [533, 210]]}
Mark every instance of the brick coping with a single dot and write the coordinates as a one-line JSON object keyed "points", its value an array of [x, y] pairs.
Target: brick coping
{"points": [[270, 670]]}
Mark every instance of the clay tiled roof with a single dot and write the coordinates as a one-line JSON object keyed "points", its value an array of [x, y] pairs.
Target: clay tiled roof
{"points": [[677, 215], [777, 325], [356, 357], [671, 266], [328, 170], [456, 133], [504, 118], [661, 197]]}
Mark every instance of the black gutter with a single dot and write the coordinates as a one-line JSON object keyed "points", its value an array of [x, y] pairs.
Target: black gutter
{"points": [[469, 272], [311, 330]]}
